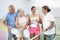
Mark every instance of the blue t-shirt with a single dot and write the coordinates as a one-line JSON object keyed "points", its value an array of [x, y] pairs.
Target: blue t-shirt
{"points": [[10, 19]]}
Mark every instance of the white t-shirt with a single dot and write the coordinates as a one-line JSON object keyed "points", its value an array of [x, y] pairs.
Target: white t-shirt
{"points": [[47, 19], [22, 21]]}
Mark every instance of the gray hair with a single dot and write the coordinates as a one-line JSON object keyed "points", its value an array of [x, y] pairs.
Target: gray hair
{"points": [[20, 11]]}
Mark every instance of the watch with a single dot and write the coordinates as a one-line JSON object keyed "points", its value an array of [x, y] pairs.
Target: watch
{"points": [[46, 29]]}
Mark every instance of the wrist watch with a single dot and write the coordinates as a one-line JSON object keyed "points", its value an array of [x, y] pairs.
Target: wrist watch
{"points": [[46, 29]]}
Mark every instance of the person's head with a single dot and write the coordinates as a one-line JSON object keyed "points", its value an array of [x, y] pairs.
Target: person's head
{"points": [[11, 9], [20, 12], [33, 9], [45, 9]]}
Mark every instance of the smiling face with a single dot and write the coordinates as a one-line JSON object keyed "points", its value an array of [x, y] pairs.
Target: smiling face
{"points": [[33, 10], [44, 11], [22, 13], [11, 9]]}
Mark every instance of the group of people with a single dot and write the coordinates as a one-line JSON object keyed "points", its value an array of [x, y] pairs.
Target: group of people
{"points": [[21, 22]]}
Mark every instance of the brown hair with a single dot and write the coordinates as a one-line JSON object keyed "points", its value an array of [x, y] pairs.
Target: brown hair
{"points": [[47, 8], [33, 7]]}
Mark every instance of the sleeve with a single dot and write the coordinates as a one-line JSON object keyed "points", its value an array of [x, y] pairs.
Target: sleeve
{"points": [[6, 18], [52, 18]]}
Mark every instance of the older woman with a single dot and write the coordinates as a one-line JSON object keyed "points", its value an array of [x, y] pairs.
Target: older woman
{"points": [[21, 24]]}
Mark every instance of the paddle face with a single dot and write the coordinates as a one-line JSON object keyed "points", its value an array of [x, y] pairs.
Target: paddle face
{"points": [[26, 33], [14, 31]]}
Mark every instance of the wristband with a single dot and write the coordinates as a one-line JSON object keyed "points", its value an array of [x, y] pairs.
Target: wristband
{"points": [[46, 29]]}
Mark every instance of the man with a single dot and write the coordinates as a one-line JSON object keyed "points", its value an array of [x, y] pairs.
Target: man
{"points": [[9, 21], [48, 23]]}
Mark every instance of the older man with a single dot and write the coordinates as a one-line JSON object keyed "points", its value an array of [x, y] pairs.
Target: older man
{"points": [[9, 21]]}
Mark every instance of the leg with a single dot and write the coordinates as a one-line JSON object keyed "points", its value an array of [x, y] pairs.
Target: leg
{"points": [[20, 34], [24, 38], [14, 36], [37, 38], [10, 36], [31, 35], [51, 37], [31, 30], [44, 37], [19, 38], [37, 31]]}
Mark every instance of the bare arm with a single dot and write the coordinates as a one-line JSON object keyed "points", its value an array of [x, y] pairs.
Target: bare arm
{"points": [[40, 19], [17, 23], [4, 23], [28, 21], [52, 25]]}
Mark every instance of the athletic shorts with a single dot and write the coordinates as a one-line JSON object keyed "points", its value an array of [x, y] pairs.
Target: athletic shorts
{"points": [[34, 30]]}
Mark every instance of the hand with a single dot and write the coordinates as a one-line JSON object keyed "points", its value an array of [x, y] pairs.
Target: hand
{"points": [[9, 30], [24, 27], [42, 29], [37, 20]]}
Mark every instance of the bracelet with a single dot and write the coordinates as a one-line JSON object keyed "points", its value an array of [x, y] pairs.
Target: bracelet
{"points": [[46, 29]]}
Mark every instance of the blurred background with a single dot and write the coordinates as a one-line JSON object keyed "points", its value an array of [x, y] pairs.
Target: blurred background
{"points": [[26, 6]]}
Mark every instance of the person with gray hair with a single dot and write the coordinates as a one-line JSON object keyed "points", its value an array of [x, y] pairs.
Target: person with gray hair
{"points": [[9, 21], [21, 24]]}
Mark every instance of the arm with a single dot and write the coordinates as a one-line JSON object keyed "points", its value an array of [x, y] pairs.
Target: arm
{"points": [[28, 21], [4, 23], [17, 23], [52, 20], [40, 19], [51, 26]]}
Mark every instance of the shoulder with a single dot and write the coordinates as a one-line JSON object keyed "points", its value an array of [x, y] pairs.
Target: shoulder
{"points": [[7, 15], [51, 15], [16, 14]]}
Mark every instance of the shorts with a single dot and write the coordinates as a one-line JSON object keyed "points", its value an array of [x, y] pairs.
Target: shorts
{"points": [[20, 32], [34, 30]]}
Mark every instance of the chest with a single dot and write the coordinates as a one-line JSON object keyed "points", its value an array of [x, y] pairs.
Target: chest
{"points": [[46, 18], [22, 20], [12, 17], [34, 18]]}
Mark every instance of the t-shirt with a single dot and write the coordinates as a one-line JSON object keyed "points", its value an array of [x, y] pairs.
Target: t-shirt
{"points": [[22, 21], [10, 19], [47, 19]]}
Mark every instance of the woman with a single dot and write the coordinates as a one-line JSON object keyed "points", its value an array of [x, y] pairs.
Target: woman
{"points": [[21, 24], [48, 23], [34, 26]]}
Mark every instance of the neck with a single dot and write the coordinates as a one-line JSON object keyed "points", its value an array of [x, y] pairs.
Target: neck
{"points": [[45, 13], [34, 14], [11, 12], [21, 16]]}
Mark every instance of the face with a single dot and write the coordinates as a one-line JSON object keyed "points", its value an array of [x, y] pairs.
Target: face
{"points": [[22, 13], [11, 9], [33, 10], [44, 11]]}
